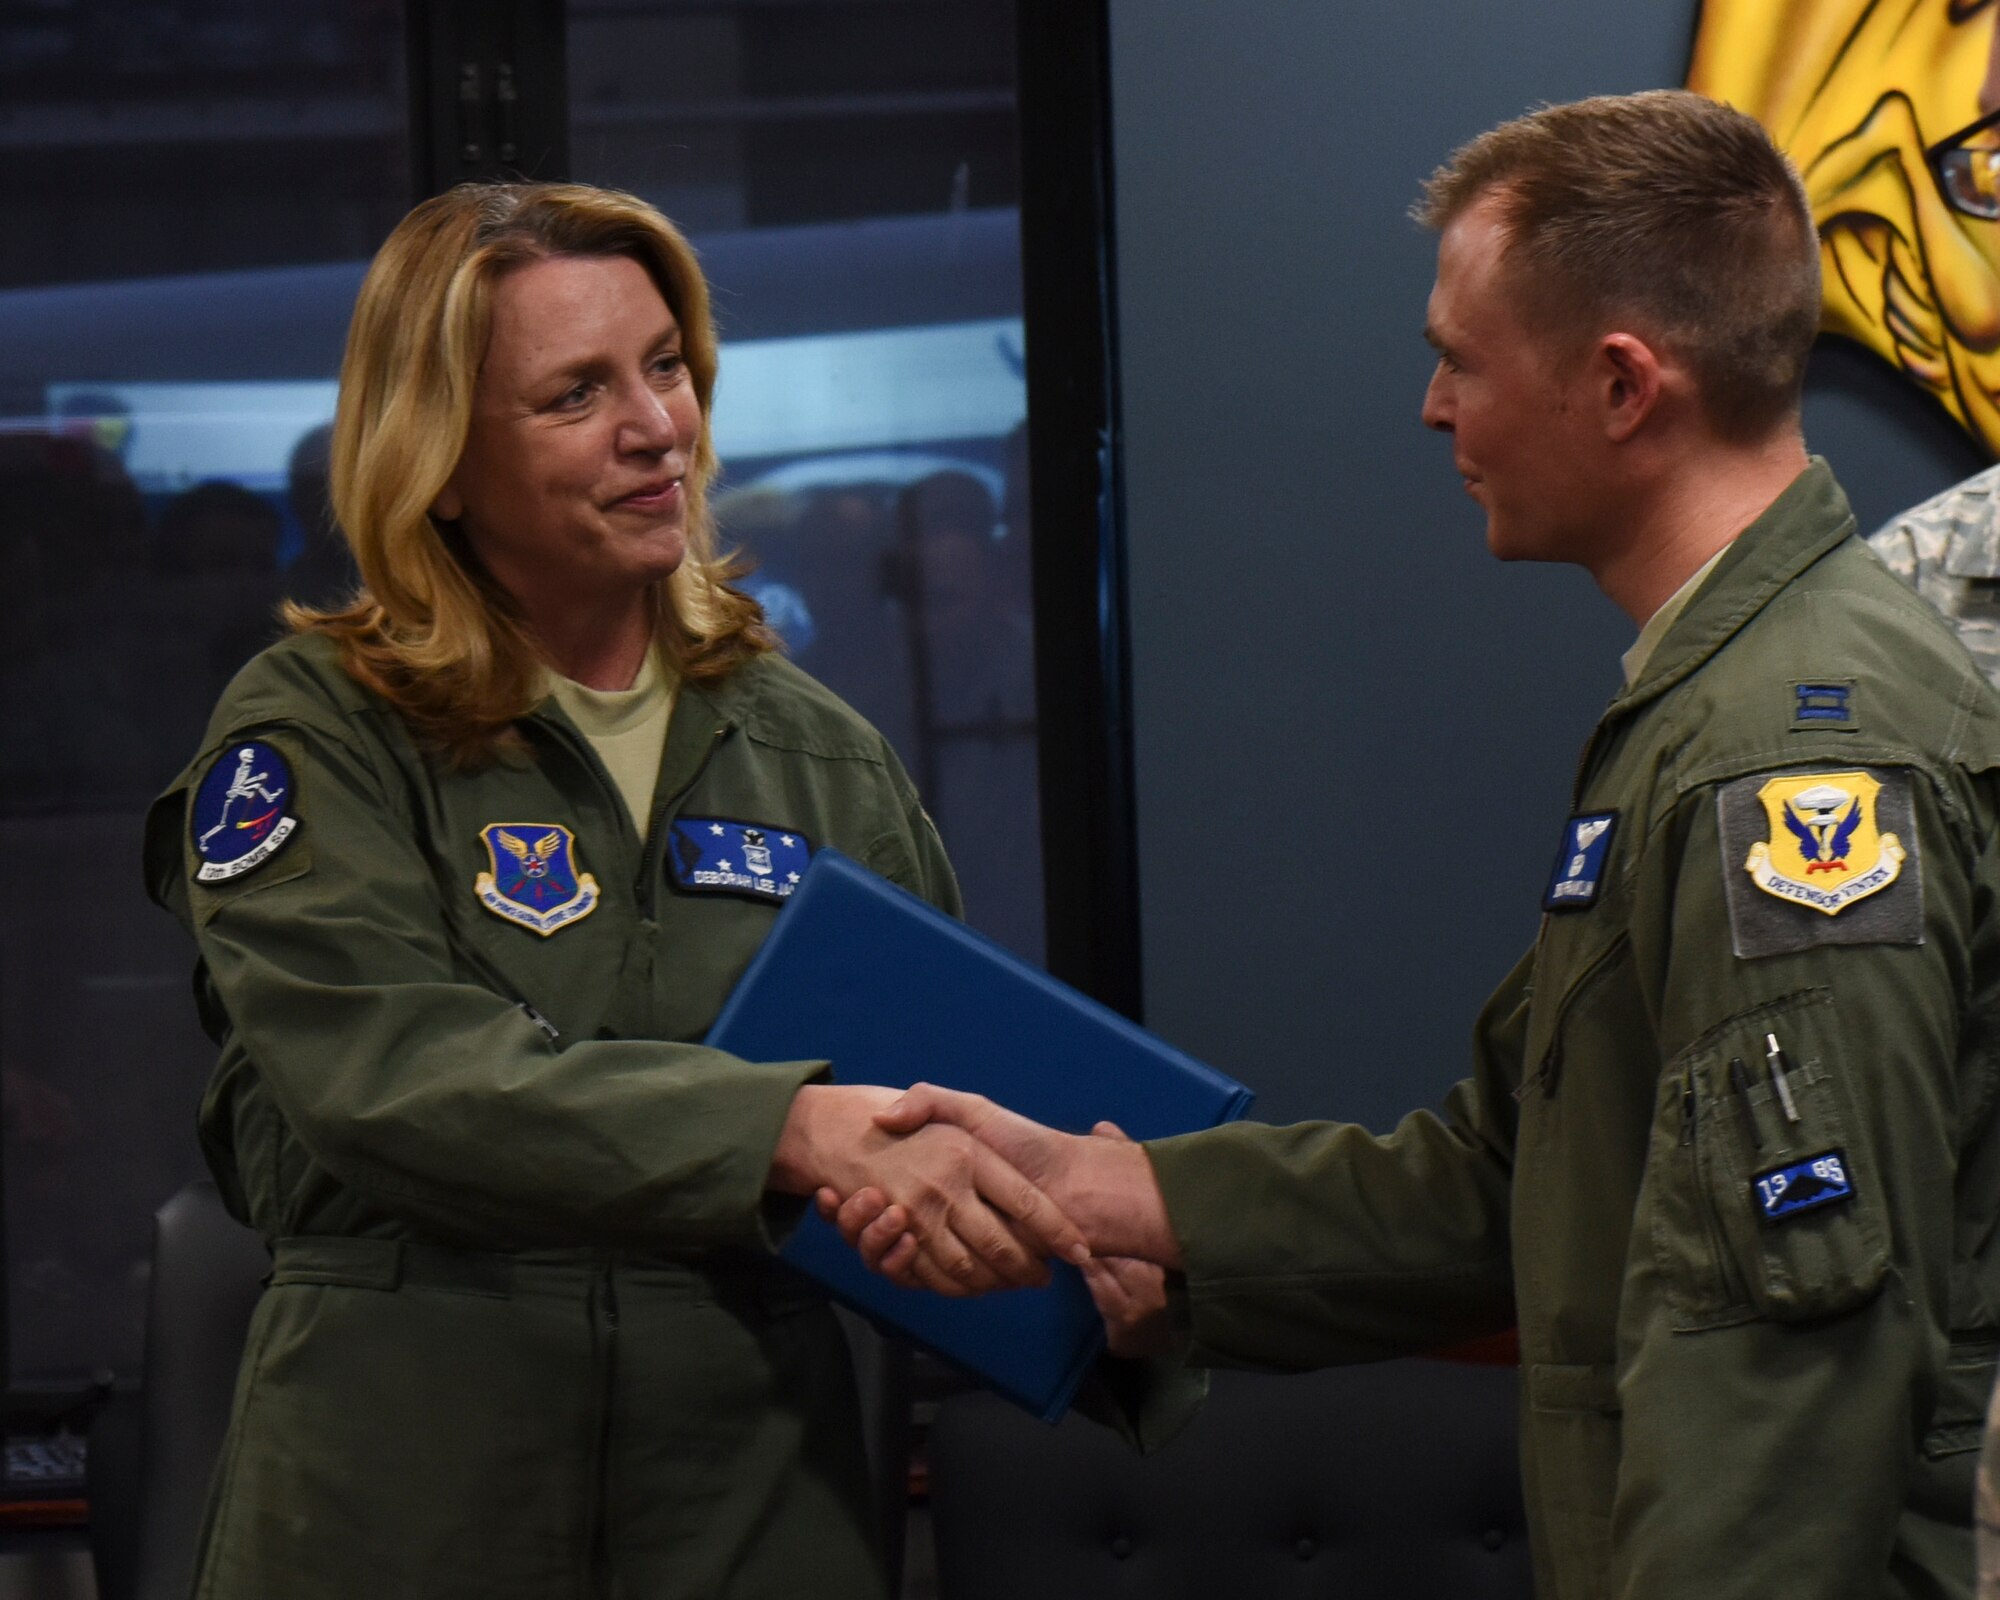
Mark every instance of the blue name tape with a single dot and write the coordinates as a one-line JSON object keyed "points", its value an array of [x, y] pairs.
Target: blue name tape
{"points": [[721, 855], [1579, 871], [1805, 1185]]}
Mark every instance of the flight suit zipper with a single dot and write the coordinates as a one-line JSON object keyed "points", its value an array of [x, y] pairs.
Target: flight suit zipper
{"points": [[605, 1292], [646, 890], [497, 981], [1690, 1138], [1547, 1074]]}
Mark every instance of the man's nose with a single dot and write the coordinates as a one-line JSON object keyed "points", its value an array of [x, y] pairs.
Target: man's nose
{"points": [[1437, 411]]}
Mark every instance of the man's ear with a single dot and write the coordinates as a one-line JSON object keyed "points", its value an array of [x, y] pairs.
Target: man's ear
{"points": [[1628, 381]]}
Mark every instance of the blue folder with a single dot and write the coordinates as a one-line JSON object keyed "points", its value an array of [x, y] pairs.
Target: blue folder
{"points": [[892, 991]]}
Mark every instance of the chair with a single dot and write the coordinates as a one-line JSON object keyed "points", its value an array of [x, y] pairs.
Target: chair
{"points": [[1398, 1481], [149, 1481], [152, 1454]]}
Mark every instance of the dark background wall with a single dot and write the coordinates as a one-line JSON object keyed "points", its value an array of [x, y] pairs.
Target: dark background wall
{"points": [[1355, 731]]}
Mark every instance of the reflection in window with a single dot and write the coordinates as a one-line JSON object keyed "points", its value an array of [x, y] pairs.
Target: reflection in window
{"points": [[179, 178], [849, 174]]}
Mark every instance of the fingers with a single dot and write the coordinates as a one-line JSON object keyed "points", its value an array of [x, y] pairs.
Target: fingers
{"points": [[1131, 1297], [1111, 1130], [922, 1103], [1002, 1186]]}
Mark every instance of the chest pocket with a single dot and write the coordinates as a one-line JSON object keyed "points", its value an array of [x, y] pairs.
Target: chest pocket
{"points": [[1764, 1202]]}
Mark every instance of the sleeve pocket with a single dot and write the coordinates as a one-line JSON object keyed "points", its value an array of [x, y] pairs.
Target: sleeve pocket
{"points": [[1760, 1211]]}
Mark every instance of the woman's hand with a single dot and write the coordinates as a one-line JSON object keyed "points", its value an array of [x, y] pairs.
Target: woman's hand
{"points": [[1130, 1294], [965, 1219]]}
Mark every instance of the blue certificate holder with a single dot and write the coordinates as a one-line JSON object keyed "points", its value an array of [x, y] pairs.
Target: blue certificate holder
{"points": [[892, 991]]}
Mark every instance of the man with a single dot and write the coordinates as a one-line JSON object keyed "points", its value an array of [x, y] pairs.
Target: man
{"points": [[1948, 550], [1727, 1155]]}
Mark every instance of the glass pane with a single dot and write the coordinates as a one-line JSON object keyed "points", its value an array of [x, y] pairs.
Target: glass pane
{"points": [[190, 193], [848, 172]]}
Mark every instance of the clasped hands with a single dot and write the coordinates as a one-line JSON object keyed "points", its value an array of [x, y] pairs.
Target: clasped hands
{"points": [[949, 1192]]}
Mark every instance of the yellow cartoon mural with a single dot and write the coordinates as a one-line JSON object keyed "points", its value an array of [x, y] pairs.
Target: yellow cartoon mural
{"points": [[1887, 107]]}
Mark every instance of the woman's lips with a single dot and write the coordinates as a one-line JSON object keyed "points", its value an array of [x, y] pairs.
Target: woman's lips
{"points": [[657, 497]]}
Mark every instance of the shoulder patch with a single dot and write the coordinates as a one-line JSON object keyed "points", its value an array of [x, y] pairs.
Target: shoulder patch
{"points": [[1579, 869], [244, 811], [1823, 703], [1816, 857], [720, 855]]}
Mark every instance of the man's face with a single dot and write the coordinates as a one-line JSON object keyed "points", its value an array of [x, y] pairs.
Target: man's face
{"points": [[1512, 405], [1855, 92]]}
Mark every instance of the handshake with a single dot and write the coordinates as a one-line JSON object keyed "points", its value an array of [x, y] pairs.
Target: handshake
{"points": [[949, 1192]]}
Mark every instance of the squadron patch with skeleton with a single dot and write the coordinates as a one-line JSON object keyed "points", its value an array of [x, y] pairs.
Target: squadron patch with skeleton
{"points": [[243, 811]]}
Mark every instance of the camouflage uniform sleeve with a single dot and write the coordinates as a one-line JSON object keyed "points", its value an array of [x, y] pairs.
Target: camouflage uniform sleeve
{"points": [[1987, 1505], [1948, 550]]}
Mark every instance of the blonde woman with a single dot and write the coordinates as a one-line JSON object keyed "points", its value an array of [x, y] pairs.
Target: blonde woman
{"points": [[471, 862]]}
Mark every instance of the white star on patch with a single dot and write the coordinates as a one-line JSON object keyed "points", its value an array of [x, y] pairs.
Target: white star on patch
{"points": [[787, 841], [791, 877], [722, 866], [716, 829]]}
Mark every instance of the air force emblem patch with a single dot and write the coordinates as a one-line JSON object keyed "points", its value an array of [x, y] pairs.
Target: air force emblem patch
{"points": [[242, 813], [1820, 858], [758, 860], [1825, 848], [534, 880]]}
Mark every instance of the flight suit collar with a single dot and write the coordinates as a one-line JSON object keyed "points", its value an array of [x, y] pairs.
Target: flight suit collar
{"points": [[1803, 524]]}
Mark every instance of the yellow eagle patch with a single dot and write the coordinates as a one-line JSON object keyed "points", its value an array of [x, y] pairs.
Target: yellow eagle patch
{"points": [[1824, 850]]}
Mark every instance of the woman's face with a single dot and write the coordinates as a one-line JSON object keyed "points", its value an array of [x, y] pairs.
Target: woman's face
{"points": [[1855, 92], [571, 486]]}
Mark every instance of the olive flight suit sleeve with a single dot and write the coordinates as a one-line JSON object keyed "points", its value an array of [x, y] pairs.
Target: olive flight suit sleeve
{"points": [[333, 967], [1322, 1243], [1781, 1368]]}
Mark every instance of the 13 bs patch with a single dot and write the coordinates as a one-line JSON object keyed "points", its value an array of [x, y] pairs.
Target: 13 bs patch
{"points": [[534, 881], [1815, 858], [242, 814]]}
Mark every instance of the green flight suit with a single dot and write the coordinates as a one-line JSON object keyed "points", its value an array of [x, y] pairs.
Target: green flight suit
{"points": [[1721, 1396], [525, 1334]]}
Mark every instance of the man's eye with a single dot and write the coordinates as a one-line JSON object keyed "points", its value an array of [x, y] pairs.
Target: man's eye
{"points": [[575, 395]]}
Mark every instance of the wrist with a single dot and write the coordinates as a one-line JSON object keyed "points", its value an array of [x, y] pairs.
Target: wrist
{"points": [[1114, 1198], [797, 1163]]}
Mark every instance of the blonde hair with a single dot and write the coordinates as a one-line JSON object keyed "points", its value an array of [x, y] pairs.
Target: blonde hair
{"points": [[429, 630], [1667, 207]]}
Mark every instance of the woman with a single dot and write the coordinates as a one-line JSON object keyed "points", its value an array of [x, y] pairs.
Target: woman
{"points": [[468, 863]]}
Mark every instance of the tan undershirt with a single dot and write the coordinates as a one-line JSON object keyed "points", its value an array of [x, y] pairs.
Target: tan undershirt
{"points": [[1655, 630], [627, 728]]}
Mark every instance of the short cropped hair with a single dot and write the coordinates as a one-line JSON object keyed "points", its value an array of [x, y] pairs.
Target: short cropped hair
{"points": [[1667, 209], [430, 630]]}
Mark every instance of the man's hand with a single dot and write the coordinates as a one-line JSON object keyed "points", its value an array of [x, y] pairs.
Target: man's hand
{"points": [[1106, 1186], [1130, 1295], [973, 1222]]}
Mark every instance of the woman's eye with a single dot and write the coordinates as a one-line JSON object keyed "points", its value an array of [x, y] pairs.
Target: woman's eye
{"points": [[669, 366]]}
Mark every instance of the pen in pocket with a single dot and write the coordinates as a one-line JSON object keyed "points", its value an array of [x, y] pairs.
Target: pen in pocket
{"points": [[1739, 1078], [1780, 1077]]}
